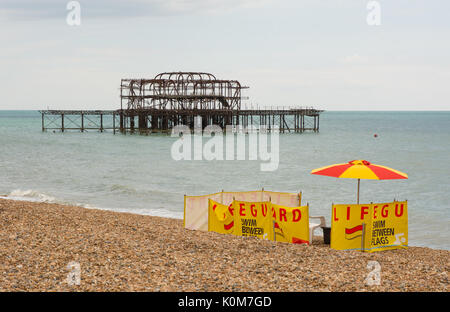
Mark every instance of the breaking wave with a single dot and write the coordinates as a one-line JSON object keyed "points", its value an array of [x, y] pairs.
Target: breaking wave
{"points": [[31, 195]]}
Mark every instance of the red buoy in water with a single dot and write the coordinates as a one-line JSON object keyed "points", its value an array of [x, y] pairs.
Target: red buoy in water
{"points": [[375, 135]]}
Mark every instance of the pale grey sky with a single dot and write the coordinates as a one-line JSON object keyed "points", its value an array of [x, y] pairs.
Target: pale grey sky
{"points": [[318, 53]]}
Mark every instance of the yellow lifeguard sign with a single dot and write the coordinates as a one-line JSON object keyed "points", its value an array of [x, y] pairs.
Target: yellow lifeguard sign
{"points": [[387, 227], [369, 227], [260, 219], [347, 226], [253, 219], [220, 218], [291, 224]]}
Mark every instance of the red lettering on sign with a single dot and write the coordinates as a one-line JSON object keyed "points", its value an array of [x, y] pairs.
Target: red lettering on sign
{"points": [[254, 211], [384, 215], [375, 212], [348, 212], [242, 209], [398, 214], [264, 209], [364, 211], [296, 215], [231, 209], [335, 217], [283, 214]]}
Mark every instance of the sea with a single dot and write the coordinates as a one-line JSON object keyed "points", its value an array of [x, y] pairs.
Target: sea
{"points": [[139, 174]]}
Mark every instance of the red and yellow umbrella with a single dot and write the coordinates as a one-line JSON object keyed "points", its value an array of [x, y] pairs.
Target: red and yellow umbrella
{"points": [[360, 169]]}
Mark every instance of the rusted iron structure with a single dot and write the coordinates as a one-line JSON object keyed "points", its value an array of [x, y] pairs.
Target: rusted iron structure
{"points": [[180, 91], [80, 120], [177, 98]]}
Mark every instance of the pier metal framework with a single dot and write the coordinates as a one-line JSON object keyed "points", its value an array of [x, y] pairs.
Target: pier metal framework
{"points": [[180, 90], [80, 120], [177, 98]]}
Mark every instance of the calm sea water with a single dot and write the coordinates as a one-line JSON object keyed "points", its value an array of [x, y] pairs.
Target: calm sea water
{"points": [[137, 173]]}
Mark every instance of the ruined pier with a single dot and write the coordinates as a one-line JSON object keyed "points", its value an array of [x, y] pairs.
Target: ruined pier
{"points": [[170, 99]]}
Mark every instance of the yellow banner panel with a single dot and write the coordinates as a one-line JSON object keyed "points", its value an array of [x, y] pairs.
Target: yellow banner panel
{"points": [[220, 218], [346, 225], [291, 224], [253, 219], [387, 228], [196, 207]]}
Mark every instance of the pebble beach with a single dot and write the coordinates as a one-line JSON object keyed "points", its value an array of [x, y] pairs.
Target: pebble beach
{"points": [[130, 252]]}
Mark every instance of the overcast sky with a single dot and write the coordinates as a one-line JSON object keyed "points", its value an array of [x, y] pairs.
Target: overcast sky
{"points": [[320, 53]]}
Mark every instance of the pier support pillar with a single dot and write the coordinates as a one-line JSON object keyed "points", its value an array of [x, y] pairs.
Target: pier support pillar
{"points": [[131, 123], [142, 122]]}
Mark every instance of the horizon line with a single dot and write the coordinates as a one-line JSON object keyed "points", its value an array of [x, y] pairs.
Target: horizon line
{"points": [[324, 110]]}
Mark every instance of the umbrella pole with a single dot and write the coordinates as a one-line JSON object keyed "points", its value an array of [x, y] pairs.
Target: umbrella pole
{"points": [[359, 180]]}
